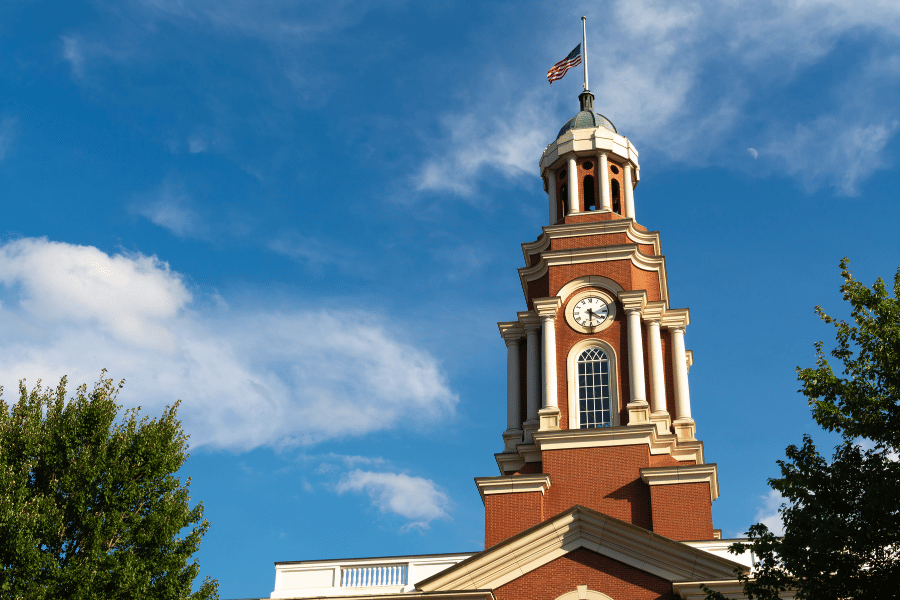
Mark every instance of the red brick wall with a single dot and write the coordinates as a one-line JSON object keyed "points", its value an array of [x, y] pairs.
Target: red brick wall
{"points": [[583, 567], [607, 480], [505, 515], [682, 511]]}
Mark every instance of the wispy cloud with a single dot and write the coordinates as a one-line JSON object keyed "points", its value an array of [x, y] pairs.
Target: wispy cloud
{"points": [[169, 206], [684, 80], [768, 513], [414, 498], [830, 151], [248, 378]]}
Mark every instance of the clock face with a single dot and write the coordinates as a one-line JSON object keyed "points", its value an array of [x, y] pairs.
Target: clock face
{"points": [[590, 311]]}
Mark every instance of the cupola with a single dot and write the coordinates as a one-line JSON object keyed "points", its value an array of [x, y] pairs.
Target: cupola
{"points": [[590, 171]]}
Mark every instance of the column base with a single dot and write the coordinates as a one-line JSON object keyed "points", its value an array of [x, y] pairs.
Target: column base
{"points": [[529, 427], [662, 420], [511, 438], [549, 418], [684, 428], [638, 413]]}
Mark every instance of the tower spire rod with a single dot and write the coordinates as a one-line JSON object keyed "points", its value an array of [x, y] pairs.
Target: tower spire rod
{"points": [[584, 50]]}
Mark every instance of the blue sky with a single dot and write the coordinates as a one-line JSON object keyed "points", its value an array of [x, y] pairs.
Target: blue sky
{"points": [[303, 219]]}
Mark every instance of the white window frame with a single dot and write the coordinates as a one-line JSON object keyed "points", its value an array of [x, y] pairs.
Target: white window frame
{"points": [[572, 376]]}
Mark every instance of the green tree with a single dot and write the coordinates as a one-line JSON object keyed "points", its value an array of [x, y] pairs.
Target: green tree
{"points": [[90, 507], [842, 517]]}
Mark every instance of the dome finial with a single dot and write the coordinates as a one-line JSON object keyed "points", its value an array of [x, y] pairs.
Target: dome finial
{"points": [[587, 100]]}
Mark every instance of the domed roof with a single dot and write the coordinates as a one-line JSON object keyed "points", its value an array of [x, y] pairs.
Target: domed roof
{"points": [[587, 119]]}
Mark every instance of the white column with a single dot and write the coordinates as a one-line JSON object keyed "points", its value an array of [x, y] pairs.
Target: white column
{"points": [[629, 193], [513, 391], [573, 186], [548, 326], [533, 376], [636, 357], [605, 203], [679, 371], [551, 191], [659, 413]]}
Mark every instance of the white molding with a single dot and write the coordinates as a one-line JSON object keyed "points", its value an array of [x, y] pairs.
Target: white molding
{"points": [[572, 381], [509, 461], [512, 484], [576, 528], [671, 475], [590, 281], [581, 592], [611, 227], [605, 437], [573, 256], [586, 143], [730, 588]]}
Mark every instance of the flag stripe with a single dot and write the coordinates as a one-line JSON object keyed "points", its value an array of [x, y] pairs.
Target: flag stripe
{"points": [[559, 70]]}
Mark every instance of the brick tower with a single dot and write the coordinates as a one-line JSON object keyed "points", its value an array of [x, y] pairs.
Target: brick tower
{"points": [[598, 408], [603, 492]]}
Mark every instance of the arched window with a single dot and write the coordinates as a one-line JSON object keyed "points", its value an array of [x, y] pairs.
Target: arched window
{"points": [[563, 196], [589, 193], [594, 389], [615, 196]]}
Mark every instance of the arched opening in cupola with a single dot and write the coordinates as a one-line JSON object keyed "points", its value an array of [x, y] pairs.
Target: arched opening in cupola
{"points": [[590, 203], [614, 196]]}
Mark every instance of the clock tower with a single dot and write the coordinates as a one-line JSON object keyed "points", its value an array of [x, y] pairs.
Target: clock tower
{"points": [[598, 404]]}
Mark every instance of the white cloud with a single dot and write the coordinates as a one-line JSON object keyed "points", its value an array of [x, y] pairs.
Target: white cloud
{"points": [[768, 513], [681, 79], [414, 498], [247, 378], [73, 52], [833, 152], [169, 206]]}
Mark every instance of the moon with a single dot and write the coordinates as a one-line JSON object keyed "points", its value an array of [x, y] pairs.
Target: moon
{"points": [[752, 152]]}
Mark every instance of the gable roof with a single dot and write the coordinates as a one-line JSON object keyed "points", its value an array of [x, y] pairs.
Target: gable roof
{"points": [[581, 527]]}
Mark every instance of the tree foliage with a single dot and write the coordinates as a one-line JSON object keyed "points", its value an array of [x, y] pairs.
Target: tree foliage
{"points": [[90, 507], [842, 517]]}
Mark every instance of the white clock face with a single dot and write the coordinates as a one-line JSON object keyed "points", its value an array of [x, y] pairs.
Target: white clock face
{"points": [[590, 311]]}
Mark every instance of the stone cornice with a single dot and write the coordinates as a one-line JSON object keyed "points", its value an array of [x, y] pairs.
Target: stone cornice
{"points": [[671, 475], [511, 330], [626, 226], [602, 437], [588, 142], [547, 307], [512, 484], [633, 300], [730, 588], [676, 317], [653, 311], [598, 254], [580, 527]]}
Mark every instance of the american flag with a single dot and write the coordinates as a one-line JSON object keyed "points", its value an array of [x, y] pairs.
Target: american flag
{"points": [[558, 70]]}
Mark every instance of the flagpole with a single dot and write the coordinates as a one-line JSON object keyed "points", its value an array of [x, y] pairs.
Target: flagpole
{"points": [[584, 50]]}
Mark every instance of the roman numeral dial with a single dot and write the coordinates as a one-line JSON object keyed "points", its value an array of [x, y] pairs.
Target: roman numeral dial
{"points": [[590, 311]]}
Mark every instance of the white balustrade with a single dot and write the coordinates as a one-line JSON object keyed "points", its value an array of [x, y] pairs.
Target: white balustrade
{"points": [[374, 576]]}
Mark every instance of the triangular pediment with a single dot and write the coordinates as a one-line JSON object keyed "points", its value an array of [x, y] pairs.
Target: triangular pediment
{"points": [[581, 527]]}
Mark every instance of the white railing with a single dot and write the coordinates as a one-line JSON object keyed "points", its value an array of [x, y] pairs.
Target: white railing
{"points": [[374, 576]]}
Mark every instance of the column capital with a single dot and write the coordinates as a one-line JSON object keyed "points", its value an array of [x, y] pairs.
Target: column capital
{"points": [[603, 153], [529, 320], [676, 318], [633, 301], [546, 307], [653, 312], [511, 331]]}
